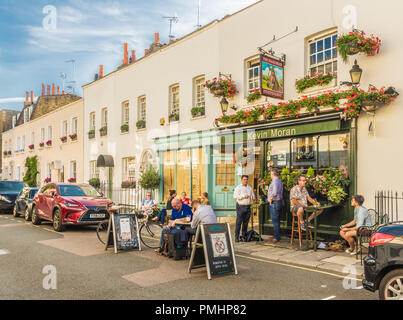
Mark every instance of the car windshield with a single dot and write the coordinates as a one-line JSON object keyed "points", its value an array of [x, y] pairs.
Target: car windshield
{"points": [[78, 191], [32, 193], [11, 186]]}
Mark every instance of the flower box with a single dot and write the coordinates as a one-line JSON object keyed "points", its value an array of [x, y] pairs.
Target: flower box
{"points": [[174, 117], [103, 131], [5, 153], [47, 180], [198, 111], [31, 146], [317, 78], [124, 128], [9, 153], [91, 134], [253, 96], [141, 124], [73, 136], [72, 180], [63, 139], [42, 144], [128, 184], [49, 143]]}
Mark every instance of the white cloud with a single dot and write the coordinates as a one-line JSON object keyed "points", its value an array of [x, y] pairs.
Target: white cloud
{"points": [[8, 100]]}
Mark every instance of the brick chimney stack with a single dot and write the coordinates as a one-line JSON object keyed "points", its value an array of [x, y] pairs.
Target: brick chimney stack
{"points": [[133, 55], [101, 71], [48, 90], [125, 53], [43, 89], [145, 52], [156, 37]]}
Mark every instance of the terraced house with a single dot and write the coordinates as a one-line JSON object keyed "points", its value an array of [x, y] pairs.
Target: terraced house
{"points": [[51, 129], [202, 136]]}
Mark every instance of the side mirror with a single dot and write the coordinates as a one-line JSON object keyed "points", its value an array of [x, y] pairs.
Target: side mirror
{"points": [[53, 194]]}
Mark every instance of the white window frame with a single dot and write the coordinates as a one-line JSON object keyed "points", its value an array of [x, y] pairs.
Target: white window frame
{"points": [[94, 170], [32, 137], [125, 112], [142, 108], [104, 117], [50, 132], [252, 83], [65, 126], [42, 135], [199, 92], [73, 169], [174, 98], [74, 125], [92, 120], [23, 143], [128, 173], [324, 65]]}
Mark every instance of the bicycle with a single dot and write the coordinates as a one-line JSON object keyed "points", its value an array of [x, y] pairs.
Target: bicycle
{"points": [[150, 231]]}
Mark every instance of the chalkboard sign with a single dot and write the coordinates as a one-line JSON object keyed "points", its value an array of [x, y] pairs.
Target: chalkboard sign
{"points": [[123, 232], [213, 249]]}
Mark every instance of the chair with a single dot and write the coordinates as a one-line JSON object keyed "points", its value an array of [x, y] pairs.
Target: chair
{"points": [[299, 230], [365, 237]]}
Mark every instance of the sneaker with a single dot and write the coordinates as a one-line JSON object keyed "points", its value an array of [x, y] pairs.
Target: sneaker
{"points": [[303, 226], [310, 225], [349, 251]]}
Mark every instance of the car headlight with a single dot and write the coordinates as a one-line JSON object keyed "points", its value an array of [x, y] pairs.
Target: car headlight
{"points": [[2, 198], [71, 205]]}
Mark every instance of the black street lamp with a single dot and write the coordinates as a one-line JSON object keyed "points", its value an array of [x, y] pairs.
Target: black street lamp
{"points": [[224, 105], [355, 75]]}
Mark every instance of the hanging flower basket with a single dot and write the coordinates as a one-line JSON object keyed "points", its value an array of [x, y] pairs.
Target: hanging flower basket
{"points": [[371, 106], [242, 157], [221, 87]]}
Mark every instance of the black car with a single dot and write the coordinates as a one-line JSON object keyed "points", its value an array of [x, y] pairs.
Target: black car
{"points": [[9, 191], [384, 264], [23, 203]]}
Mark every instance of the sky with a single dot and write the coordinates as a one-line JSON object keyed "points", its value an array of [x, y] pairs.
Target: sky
{"points": [[38, 37]]}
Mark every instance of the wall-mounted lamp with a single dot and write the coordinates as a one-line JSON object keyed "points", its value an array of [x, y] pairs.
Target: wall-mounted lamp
{"points": [[224, 105], [355, 75]]}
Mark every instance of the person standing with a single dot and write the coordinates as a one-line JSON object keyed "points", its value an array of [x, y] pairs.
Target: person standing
{"points": [[244, 196], [275, 199]]}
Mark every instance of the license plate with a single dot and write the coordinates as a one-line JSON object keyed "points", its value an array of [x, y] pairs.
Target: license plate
{"points": [[97, 215]]}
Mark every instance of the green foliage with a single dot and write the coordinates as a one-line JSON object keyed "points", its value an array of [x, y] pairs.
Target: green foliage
{"points": [[265, 182], [318, 79], [336, 194], [289, 179], [31, 163], [124, 127], [336, 177], [356, 41], [197, 110], [255, 95], [141, 124], [95, 182], [150, 179]]}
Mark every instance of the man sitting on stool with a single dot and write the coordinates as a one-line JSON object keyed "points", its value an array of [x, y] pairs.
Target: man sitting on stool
{"points": [[201, 215]]}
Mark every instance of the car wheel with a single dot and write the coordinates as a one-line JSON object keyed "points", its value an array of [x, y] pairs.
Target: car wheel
{"points": [[27, 214], [15, 211], [57, 221], [35, 218], [391, 286]]}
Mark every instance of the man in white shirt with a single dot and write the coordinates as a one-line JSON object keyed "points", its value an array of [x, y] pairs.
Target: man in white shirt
{"points": [[244, 197]]}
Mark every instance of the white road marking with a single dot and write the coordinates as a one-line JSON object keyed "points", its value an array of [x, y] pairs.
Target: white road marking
{"points": [[329, 298], [4, 251], [323, 286]]}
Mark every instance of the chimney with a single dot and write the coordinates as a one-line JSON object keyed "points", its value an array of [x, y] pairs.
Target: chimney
{"points": [[63, 92], [26, 96], [133, 55], [101, 71], [43, 89], [156, 37], [32, 97], [53, 89], [58, 90], [125, 54], [170, 41], [48, 90], [145, 52]]}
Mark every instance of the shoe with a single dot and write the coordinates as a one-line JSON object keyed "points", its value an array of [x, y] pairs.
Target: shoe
{"points": [[349, 251], [274, 241], [303, 226], [310, 225]]}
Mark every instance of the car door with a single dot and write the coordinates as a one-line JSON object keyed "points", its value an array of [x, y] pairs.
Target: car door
{"points": [[22, 201], [49, 200], [41, 202], [19, 201]]}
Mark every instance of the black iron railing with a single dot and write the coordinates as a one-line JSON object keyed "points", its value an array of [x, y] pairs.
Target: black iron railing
{"points": [[389, 205]]}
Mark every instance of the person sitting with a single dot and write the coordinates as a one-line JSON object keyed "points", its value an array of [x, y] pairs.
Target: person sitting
{"points": [[202, 214], [299, 198], [204, 199], [183, 198], [148, 201], [161, 216], [181, 213], [361, 218]]}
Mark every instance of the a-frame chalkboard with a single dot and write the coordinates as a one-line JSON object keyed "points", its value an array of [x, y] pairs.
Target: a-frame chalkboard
{"points": [[213, 249], [123, 232]]}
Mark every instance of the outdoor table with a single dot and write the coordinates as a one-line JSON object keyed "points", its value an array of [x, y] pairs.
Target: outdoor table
{"points": [[314, 210]]}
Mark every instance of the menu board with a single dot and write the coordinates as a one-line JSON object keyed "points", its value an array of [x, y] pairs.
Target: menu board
{"points": [[125, 232]]}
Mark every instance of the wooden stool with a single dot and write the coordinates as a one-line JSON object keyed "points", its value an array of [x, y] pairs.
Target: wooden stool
{"points": [[295, 217]]}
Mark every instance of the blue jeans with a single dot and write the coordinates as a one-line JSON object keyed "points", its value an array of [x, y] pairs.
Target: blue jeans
{"points": [[165, 230], [275, 210], [161, 215]]}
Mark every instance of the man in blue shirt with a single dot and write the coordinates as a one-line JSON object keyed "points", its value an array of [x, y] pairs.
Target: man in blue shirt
{"points": [[275, 199], [181, 212]]}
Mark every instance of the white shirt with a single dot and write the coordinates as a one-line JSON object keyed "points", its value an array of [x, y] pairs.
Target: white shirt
{"points": [[240, 192], [203, 215]]}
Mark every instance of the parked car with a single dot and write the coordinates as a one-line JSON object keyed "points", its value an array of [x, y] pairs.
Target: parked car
{"points": [[384, 264], [78, 204], [23, 203], [9, 191]]}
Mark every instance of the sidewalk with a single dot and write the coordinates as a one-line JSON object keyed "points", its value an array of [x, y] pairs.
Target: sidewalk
{"points": [[283, 252]]}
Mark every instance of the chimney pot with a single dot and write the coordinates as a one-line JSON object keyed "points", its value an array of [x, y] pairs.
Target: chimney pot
{"points": [[53, 89], [125, 53], [145, 52], [32, 97], [101, 71], [43, 89], [48, 90], [156, 37], [63, 92], [58, 90], [133, 55], [26, 96]]}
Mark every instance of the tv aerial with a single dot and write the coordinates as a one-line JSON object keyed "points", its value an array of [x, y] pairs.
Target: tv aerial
{"points": [[73, 82], [63, 76], [173, 19]]}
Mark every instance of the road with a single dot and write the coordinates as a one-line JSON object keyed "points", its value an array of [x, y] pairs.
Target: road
{"points": [[85, 271]]}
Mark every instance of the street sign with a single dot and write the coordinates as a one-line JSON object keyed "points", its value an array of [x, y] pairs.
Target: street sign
{"points": [[213, 249], [123, 232]]}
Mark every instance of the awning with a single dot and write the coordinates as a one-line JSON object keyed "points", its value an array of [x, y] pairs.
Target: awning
{"points": [[105, 160]]}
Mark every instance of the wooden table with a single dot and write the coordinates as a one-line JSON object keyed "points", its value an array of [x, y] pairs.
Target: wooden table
{"points": [[314, 210]]}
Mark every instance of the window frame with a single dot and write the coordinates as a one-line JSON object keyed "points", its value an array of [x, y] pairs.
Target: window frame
{"points": [[322, 36], [252, 63], [125, 112], [199, 89], [174, 107]]}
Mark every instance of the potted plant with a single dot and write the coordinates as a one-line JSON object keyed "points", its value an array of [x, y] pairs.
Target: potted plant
{"points": [[73, 136], [355, 42], [49, 143], [150, 179], [174, 116], [9, 153], [318, 79], [254, 95], [31, 146], [103, 131], [221, 87], [95, 182], [336, 194], [72, 180], [198, 111], [91, 134], [63, 139], [128, 184], [5, 153], [41, 144], [47, 180], [124, 128], [140, 124]]}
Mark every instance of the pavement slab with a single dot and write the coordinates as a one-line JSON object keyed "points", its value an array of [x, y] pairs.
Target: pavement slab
{"points": [[271, 253], [342, 260]]}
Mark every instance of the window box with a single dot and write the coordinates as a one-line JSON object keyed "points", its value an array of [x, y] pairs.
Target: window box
{"points": [[9, 153], [332, 83], [47, 180], [141, 124], [128, 184], [49, 143], [173, 117], [63, 139], [91, 134], [72, 180], [5, 153], [41, 144], [124, 128], [103, 131], [198, 111], [73, 136], [95, 182], [254, 95], [31, 146]]}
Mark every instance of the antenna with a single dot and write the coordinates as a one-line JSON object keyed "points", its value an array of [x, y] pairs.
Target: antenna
{"points": [[198, 14], [63, 76], [73, 82], [173, 19]]}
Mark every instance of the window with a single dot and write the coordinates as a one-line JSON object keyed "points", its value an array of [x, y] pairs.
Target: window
{"points": [[322, 54], [48, 171], [64, 128], [142, 108], [252, 75], [73, 169], [92, 121], [42, 134], [18, 173], [198, 92], [74, 123], [23, 143], [49, 133], [125, 113], [128, 168], [94, 170], [174, 100], [26, 115], [32, 138], [104, 117]]}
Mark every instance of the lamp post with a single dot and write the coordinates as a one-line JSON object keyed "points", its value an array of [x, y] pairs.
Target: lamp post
{"points": [[224, 105]]}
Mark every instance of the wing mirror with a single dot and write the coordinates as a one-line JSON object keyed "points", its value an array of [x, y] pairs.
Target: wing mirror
{"points": [[53, 194]]}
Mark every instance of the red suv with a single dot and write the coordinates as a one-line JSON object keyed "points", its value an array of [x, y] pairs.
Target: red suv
{"points": [[69, 204]]}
